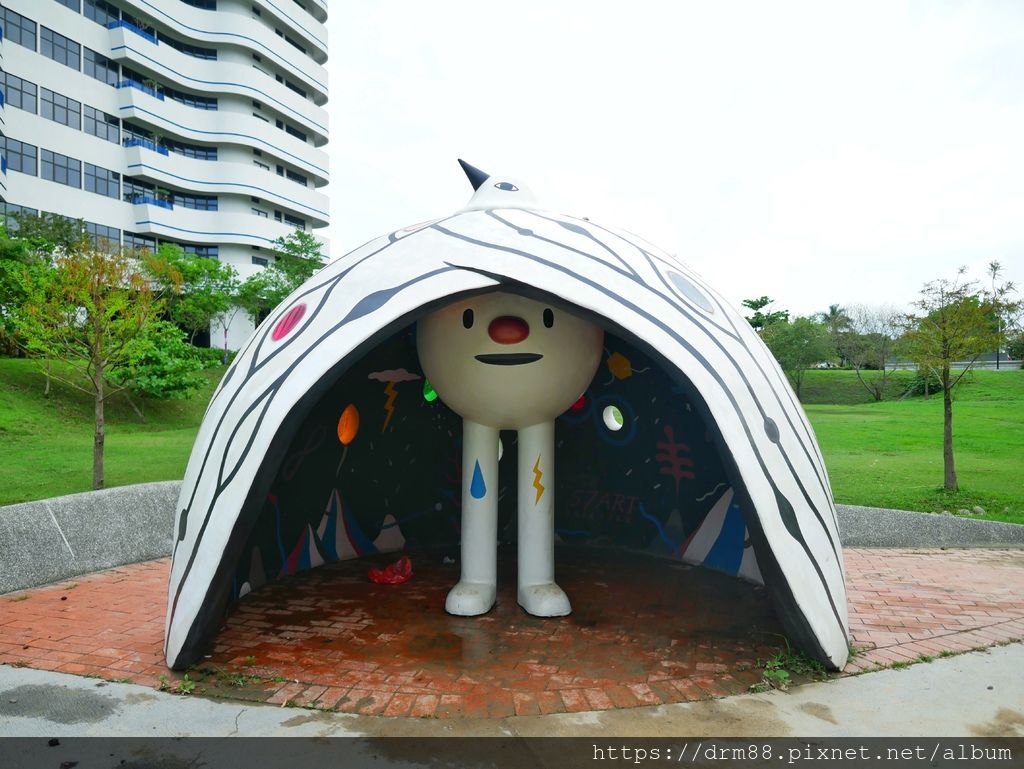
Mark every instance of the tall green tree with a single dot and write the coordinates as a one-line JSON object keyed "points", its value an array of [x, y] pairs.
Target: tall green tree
{"points": [[797, 346], [762, 316], [951, 328], [838, 322], [197, 290], [297, 258], [87, 311], [868, 343]]}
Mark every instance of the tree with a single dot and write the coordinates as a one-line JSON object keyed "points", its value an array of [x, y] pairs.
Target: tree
{"points": [[868, 343], [17, 263], [297, 258], [797, 346], [198, 290], [761, 320], [47, 233], [837, 321], [159, 363], [87, 311], [952, 325]]}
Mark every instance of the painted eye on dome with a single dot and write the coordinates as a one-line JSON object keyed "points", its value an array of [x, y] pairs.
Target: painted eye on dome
{"points": [[507, 187], [549, 318], [467, 319], [687, 289]]}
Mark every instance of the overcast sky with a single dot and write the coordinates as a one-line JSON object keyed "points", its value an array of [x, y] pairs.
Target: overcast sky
{"points": [[818, 153]]}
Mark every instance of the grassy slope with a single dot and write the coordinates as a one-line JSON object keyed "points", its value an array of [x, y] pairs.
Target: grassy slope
{"points": [[885, 454], [46, 443], [889, 454]]}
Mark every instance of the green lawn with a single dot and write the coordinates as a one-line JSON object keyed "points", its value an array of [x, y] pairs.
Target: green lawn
{"points": [[46, 443], [885, 454], [889, 454]]}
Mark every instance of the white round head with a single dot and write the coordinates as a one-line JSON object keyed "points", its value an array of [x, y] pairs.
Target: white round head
{"points": [[507, 361]]}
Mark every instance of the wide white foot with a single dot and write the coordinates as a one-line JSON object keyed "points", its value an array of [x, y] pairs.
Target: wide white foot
{"points": [[547, 600], [468, 599]]}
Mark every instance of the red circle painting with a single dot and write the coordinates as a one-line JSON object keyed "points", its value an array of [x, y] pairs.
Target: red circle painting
{"points": [[289, 321]]}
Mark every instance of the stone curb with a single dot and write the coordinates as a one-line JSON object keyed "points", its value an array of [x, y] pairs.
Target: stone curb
{"points": [[54, 539]]}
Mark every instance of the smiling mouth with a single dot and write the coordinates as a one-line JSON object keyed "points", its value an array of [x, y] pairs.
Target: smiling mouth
{"points": [[509, 358]]}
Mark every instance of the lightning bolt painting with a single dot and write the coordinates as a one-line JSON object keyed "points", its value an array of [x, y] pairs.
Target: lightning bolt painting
{"points": [[389, 407], [537, 475]]}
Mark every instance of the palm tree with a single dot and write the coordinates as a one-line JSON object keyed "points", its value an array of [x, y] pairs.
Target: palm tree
{"points": [[838, 323]]}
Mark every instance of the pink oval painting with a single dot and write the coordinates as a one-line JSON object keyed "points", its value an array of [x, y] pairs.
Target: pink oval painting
{"points": [[288, 322]]}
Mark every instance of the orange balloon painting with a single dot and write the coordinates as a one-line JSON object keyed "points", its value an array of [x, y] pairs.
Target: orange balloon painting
{"points": [[348, 425]]}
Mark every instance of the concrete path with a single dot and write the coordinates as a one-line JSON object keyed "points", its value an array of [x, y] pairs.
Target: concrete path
{"points": [[975, 694]]}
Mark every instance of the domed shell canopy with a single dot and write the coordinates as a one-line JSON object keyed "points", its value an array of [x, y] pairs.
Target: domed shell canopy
{"points": [[618, 280]]}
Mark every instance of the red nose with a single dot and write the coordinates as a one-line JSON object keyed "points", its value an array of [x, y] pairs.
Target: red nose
{"points": [[508, 330]]}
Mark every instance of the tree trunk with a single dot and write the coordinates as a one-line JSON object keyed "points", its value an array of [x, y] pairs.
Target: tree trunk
{"points": [[98, 435], [136, 409], [46, 390], [947, 431]]}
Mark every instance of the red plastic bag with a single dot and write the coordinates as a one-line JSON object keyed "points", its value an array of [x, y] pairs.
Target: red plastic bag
{"points": [[393, 574]]}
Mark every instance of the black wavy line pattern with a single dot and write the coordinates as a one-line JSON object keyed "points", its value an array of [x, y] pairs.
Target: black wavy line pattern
{"points": [[377, 300], [368, 304], [805, 431], [685, 310], [786, 512]]}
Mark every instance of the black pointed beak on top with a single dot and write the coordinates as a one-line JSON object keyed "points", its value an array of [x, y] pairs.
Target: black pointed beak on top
{"points": [[475, 175]]}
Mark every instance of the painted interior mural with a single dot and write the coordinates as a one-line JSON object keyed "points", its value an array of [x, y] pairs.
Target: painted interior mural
{"points": [[326, 440], [376, 467]]}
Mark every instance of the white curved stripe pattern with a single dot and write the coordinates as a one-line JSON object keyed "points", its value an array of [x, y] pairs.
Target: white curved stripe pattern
{"points": [[640, 292]]}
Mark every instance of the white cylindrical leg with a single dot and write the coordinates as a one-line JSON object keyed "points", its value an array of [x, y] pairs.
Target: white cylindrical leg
{"points": [[538, 593], [475, 592]]}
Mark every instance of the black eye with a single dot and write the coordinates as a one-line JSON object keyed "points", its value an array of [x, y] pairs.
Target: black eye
{"points": [[549, 318], [467, 319]]}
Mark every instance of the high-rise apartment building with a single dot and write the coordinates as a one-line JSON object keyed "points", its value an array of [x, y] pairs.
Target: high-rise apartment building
{"points": [[195, 122]]}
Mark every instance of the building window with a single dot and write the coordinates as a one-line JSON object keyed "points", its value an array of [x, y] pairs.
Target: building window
{"points": [[258, 164], [206, 5], [190, 99], [191, 150], [74, 5], [103, 236], [259, 261], [19, 93], [9, 210], [296, 177], [21, 156], [18, 29], [196, 202], [294, 132], [134, 240], [135, 189], [195, 249], [60, 109], [99, 123], [102, 181], [100, 67], [260, 213], [60, 168], [59, 48], [295, 221], [189, 50], [101, 11], [292, 86]]}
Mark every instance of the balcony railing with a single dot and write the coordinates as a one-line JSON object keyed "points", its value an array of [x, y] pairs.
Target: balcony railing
{"points": [[132, 28], [150, 200], [142, 87], [135, 141]]}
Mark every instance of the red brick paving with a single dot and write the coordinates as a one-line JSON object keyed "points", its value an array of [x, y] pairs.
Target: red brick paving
{"points": [[905, 604], [644, 632]]}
